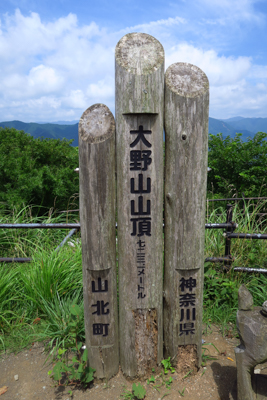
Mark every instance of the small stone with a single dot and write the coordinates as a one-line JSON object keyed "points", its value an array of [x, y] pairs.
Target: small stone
{"points": [[44, 387], [264, 309], [245, 300], [257, 371], [16, 377]]}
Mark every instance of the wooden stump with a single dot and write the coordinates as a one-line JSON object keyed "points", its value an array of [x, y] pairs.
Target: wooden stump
{"points": [[139, 152], [186, 152], [97, 214]]}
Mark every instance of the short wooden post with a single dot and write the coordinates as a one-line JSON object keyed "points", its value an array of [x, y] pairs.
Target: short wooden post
{"points": [[186, 132], [139, 147], [97, 214]]}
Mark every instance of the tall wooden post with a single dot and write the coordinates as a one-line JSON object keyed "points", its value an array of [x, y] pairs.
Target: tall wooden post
{"points": [[97, 213], [139, 147], [186, 132]]}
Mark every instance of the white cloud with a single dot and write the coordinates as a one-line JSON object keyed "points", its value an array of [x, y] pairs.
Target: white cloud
{"points": [[233, 10], [75, 99], [169, 22], [101, 89], [220, 70], [59, 65], [54, 71], [39, 81], [236, 84], [261, 86]]}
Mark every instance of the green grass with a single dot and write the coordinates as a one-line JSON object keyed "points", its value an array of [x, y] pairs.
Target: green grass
{"points": [[221, 288], [35, 298]]}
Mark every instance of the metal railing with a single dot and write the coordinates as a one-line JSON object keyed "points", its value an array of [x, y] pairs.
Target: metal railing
{"points": [[229, 234], [75, 228]]}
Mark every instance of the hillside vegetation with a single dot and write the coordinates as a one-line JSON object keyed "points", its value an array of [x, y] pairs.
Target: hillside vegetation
{"points": [[237, 166], [36, 171], [48, 131], [69, 129], [36, 298], [41, 171]]}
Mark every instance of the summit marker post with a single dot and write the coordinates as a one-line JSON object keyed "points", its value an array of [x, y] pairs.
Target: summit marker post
{"points": [[139, 63], [97, 214], [186, 133]]}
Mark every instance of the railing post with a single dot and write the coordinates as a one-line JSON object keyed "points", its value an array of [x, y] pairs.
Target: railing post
{"points": [[186, 130], [139, 146], [97, 213], [229, 217]]}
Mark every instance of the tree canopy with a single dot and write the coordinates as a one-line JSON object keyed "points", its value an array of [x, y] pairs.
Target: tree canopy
{"points": [[40, 171], [36, 171], [238, 166]]}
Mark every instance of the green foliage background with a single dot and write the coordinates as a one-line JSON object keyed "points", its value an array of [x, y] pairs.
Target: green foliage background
{"points": [[39, 171], [237, 166], [36, 171], [35, 300]]}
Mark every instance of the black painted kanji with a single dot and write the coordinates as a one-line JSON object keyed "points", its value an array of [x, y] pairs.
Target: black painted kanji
{"points": [[100, 329], [141, 189], [141, 226], [189, 315], [139, 160], [140, 210], [94, 290], [141, 136], [188, 327], [187, 299], [188, 284], [100, 308]]}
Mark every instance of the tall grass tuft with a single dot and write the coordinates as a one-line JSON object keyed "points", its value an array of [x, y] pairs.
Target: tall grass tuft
{"points": [[221, 287], [35, 298]]}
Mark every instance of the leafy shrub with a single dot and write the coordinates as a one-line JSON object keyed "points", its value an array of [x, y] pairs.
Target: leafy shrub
{"points": [[36, 171], [238, 167], [77, 371]]}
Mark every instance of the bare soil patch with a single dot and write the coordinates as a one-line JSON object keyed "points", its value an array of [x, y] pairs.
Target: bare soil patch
{"points": [[215, 381]]}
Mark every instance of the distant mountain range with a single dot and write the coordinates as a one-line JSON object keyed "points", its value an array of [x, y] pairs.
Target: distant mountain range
{"points": [[229, 127], [58, 130], [69, 129]]}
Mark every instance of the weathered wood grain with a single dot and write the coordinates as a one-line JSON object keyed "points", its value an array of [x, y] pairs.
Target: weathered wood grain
{"points": [[186, 132], [97, 216], [139, 103]]}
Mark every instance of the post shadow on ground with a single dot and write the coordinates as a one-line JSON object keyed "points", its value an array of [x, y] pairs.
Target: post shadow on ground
{"points": [[225, 379]]}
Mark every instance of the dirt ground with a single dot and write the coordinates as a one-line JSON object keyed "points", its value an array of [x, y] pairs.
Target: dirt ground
{"points": [[215, 381]]}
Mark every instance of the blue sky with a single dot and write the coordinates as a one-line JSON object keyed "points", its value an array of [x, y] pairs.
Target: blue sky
{"points": [[57, 56]]}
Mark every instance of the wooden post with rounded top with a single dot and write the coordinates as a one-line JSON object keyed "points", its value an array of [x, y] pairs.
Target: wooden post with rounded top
{"points": [[139, 63], [97, 215], [186, 133]]}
